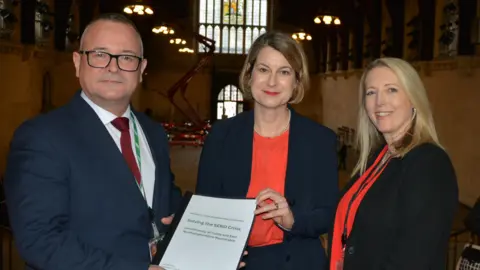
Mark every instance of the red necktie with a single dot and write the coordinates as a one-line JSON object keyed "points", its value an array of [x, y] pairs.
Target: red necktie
{"points": [[121, 123]]}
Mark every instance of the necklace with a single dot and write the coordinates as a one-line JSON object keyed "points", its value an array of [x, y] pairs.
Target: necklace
{"points": [[285, 128]]}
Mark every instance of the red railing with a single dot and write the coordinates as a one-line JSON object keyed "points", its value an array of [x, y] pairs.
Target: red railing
{"points": [[180, 87]]}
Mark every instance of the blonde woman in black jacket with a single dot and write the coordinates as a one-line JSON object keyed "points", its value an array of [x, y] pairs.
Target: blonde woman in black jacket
{"points": [[398, 209]]}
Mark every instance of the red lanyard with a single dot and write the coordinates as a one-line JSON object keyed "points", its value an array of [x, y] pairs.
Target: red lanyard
{"points": [[366, 178]]}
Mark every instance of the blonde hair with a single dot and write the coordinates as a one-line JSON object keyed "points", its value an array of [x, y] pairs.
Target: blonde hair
{"points": [[422, 129], [290, 49]]}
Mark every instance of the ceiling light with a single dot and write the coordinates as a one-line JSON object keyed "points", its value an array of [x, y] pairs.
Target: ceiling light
{"points": [[301, 36], [186, 50], [327, 19], [163, 29], [138, 9], [178, 41]]}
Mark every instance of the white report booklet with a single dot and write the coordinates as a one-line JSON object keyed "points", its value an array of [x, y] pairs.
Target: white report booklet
{"points": [[210, 234]]}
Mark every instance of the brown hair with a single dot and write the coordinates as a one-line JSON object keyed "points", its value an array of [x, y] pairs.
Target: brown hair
{"points": [[290, 49]]}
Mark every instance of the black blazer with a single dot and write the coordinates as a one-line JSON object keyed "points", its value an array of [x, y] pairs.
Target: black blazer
{"points": [[311, 186], [404, 220], [73, 201], [472, 220]]}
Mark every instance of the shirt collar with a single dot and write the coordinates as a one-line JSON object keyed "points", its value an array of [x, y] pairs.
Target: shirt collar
{"points": [[105, 116]]}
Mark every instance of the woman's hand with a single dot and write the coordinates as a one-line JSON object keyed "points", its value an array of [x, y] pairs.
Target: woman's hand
{"points": [[278, 209], [242, 264]]}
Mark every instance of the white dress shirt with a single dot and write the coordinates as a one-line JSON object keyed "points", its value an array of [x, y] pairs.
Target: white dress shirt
{"points": [[147, 169]]}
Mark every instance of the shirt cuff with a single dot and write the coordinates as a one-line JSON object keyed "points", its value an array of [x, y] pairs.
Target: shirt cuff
{"points": [[283, 228]]}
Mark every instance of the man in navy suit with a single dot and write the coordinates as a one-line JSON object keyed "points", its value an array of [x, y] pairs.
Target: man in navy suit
{"points": [[89, 184]]}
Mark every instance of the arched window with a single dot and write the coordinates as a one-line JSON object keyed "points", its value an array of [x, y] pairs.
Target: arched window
{"points": [[229, 102], [233, 24]]}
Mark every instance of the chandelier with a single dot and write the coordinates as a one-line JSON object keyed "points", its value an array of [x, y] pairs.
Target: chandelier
{"points": [[166, 30], [138, 9], [327, 19], [178, 41], [300, 36], [186, 50]]}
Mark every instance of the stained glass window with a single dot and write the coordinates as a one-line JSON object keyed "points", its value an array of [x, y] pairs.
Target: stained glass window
{"points": [[233, 24], [230, 102]]}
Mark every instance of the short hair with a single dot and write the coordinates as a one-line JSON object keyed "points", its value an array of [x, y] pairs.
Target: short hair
{"points": [[113, 17], [422, 129], [290, 49]]}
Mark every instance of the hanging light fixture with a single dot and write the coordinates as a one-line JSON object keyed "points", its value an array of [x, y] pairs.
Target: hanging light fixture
{"points": [[178, 41], [301, 36], [186, 50], [138, 8], [163, 29], [327, 20]]}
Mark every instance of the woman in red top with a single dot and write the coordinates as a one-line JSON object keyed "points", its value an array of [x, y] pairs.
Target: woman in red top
{"points": [[398, 210], [284, 160]]}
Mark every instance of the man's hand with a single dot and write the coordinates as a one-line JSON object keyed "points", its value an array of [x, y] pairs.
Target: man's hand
{"points": [[167, 220]]}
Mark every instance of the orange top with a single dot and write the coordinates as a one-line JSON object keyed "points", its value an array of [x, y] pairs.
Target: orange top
{"points": [[269, 166], [352, 197]]}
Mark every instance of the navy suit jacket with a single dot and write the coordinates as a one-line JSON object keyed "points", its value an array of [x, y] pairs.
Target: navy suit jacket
{"points": [[311, 184], [73, 201]]}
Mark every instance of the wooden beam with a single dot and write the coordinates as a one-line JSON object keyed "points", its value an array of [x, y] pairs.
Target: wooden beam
{"points": [[62, 12], [87, 10], [317, 49], [347, 17], [427, 29], [344, 34], [374, 19], [468, 12], [324, 54], [27, 21], [358, 36], [332, 49], [396, 9]]}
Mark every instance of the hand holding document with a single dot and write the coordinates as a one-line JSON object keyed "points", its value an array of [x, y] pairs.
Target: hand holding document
{"points": [[209, 233]]}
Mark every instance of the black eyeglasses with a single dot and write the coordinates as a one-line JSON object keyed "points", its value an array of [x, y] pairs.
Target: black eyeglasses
{"points": [[100, 59]]}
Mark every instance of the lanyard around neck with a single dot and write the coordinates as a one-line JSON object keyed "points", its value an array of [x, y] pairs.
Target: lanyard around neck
{"points": [[369, 176], [136, 141]]}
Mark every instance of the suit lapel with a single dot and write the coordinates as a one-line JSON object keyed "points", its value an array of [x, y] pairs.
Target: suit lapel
{"points": [[294, 152], [103, 148], [238, 174]]}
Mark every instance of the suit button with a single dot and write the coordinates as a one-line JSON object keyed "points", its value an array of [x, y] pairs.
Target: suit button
{"points": [[287, 259], [351, 250]]}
